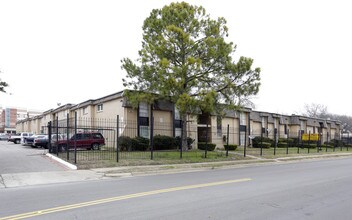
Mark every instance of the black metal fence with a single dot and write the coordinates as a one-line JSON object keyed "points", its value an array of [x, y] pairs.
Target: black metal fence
{"points": [[70, 139]]}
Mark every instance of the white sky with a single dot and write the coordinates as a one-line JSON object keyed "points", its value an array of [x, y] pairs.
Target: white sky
{"points": [[69, 51]]}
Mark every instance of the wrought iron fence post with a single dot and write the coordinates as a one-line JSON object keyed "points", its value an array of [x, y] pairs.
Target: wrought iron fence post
{"points": [[67, 136], [319, 144], [299, 140], [348, 140], [206, 142], [227, 140], [334, 145], [75, 140], [326, 146], [117, 138], [57, 135], [261, 142], [49, 137], [308, 141], [181, 139], [288, 141], [245, 150], [151, 137], [275, 144]]}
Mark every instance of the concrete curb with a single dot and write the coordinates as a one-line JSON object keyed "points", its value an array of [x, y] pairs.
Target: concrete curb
{"points": [[67, 164], [124, 171]]}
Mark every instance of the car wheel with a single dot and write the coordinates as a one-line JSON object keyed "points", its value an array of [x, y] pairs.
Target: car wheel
{"points": [[62, 148], [17, 141], [95, 147]]}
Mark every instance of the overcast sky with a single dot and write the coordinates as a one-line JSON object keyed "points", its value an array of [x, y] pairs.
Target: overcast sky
{"points": [[69, 51]]}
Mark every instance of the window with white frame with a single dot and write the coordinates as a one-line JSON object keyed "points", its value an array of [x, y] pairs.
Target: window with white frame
{"points": [[100, 107], [177, 123], [143, 119], [177, 114], [275, 123], [178, 132], [242, 138], [85, 110], [302, 125], [144, 131], [243, 118], [219, 126], [143, 109]]}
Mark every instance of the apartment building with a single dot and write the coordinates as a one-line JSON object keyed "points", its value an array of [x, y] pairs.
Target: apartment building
{"points": [[239, 127]]}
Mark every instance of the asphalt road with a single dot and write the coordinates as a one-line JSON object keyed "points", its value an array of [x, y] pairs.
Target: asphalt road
{"points": [[318, 189], [15, 158]]}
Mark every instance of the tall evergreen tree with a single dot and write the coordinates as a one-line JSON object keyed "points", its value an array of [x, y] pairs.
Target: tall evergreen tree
{"points": [[185, 59]]}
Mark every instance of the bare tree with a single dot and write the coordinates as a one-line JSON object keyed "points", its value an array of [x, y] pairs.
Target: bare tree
{"points": [[320, 111], [315, 110]]}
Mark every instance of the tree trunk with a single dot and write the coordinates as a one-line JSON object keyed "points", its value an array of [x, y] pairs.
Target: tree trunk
{"points": [[184, 132]]}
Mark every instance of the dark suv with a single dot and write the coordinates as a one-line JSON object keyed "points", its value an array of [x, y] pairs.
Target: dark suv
{"points": [[89, 141]]}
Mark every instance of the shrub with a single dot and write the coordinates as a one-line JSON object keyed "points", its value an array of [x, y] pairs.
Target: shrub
{"points": [[310, 145], [202, 146], [335, 142], [125, 143], [163, 142], [230, 146], [348, 145], [264, 145], [257, 141], [294, 142], [140, 143], [282, 144]]}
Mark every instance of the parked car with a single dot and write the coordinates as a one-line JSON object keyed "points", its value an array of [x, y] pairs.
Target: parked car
{"points": [[40, 141], [89, 141], [4, 136], [28, 140], [19, 138], [43, 140]]}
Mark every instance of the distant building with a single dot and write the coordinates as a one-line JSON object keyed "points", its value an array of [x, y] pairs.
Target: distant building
{"points": [[9, 117]]}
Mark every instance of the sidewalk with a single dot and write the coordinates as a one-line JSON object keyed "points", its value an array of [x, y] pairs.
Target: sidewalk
{"points": [[37, 178]]}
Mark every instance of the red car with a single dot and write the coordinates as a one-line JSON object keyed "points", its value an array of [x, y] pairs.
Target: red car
{"points": [[89, 141]]}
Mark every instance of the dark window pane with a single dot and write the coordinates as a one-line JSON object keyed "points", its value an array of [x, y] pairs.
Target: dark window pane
{"points": [[177, 123], [144, 121]]}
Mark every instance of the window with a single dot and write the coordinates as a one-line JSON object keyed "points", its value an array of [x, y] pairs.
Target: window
{"points": [[97, 136], [144, 131], [302, 125], [242, 138], [77, 137], [177, 114], [243, 118], [85, 110], [143, 109], [178, 132], [275, 123], [219, 126], [86, 136], [177, 123], [100, 107], [143, 119]]}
